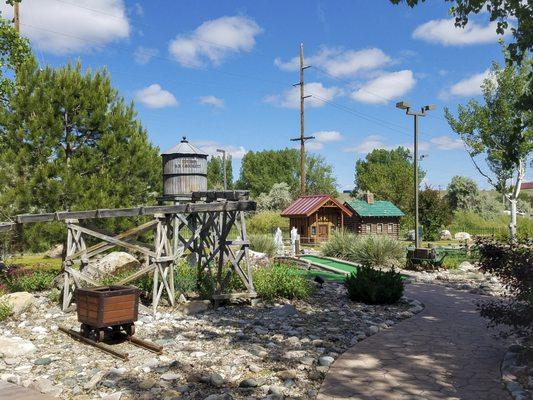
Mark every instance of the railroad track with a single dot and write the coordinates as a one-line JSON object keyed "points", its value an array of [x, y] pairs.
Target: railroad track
{"points": [[109, 349]]}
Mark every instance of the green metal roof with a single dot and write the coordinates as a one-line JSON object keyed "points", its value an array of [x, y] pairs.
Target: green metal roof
{"points": [[379, 208]]}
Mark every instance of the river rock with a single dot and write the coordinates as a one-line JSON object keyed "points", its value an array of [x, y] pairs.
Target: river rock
{"points": [[325, 361], [15, 346], [55, 252], [462, 236], [445, 234], [194, 307], [110, 264], [19, 301], [284, 311]]}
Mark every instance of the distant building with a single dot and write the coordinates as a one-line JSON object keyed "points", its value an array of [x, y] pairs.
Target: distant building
{"points": [[316, 217], [526, 185], [370, 217]]}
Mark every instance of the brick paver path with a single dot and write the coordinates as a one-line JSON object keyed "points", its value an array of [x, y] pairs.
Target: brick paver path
{"points": [[444, 352]]}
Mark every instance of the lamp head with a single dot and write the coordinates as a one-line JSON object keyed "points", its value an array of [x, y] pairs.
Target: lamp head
{"points": [[403, 105], [429, 107]]}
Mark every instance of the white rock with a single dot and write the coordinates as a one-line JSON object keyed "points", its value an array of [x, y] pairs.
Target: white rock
{"points": [[194, 307], [41, 330], [15, 346], [111, 263], [19, 301], [462, 236], [445, 234], [55, 252]]}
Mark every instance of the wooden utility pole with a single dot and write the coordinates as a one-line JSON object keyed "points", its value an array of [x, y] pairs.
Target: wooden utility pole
{"points": [[16, 16], [302, 137]]}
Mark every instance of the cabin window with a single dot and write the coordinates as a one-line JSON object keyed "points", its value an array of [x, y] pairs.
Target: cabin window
{"points": [[368, 228], [391, 228], [380, 228], [313, 231]]}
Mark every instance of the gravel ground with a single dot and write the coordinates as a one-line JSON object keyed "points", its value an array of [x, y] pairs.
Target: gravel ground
{"points": [[236, 352]]}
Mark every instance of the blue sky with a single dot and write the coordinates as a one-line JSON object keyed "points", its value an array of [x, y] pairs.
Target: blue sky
{"points": [[221, 72]]}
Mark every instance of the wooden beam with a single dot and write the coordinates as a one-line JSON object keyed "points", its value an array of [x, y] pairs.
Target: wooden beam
{"points": [[241, 205], [117, 242]]}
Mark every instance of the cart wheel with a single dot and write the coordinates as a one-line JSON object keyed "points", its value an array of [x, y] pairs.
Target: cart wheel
{"points": [[129, 329], [85, 330], [99, 334]]}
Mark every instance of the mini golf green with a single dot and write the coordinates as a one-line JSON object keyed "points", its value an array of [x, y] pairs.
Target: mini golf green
{"points": [[327, 276], [326, 262]]}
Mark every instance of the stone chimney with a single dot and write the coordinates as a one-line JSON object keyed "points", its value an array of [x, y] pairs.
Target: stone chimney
{"points": [[368, 197]]}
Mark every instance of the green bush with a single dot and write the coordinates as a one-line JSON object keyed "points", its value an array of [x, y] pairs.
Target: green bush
{"points": [[186, 277], [21, 279], [263, 244], [5, 310], [266, 222], [340, 245], [280, 281], [373, 286], [372, 250]]}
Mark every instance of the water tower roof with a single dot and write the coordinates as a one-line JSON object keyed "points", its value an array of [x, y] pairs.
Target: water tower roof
{"points": [[184, 147]]}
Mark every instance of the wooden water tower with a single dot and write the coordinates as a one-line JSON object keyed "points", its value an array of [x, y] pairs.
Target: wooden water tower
{"points": [[184, 172]]}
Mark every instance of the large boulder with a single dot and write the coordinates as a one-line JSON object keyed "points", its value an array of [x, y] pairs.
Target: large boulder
{"points": [[445, 234], [462, 236], [194, 307], [15, 346], [110, 264], [55, 252], [18, 301]]}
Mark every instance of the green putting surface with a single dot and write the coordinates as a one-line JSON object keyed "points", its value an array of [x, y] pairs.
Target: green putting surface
{"points": [[330, 263], [327, 276]]}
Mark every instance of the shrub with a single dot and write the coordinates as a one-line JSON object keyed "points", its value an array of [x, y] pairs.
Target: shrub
{"points": [[373, 286], [54, 295], [186, 277], [512, 264], [263, 244], [266, 222], [5, 310], [375, 251], [280, 281], [378, 251], [339, 245], [20, 279]]}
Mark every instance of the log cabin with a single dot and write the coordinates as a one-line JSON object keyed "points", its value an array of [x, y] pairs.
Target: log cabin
{"points": [[370, 217], [316, 217]]}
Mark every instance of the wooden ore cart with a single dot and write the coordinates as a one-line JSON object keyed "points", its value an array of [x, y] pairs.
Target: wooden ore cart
{"points": [[100, 308]]}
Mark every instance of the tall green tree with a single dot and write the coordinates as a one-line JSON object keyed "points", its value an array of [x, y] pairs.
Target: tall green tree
{"points": [[14, 51], [215, 173], [262, 169], [499, 131], [435, 213], [71, 142], [462, 193], [389, 175]]}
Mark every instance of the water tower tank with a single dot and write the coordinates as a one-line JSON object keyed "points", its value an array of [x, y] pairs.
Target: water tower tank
{"points": [[184, 170]]}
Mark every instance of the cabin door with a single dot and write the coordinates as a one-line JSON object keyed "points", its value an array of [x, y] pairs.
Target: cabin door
{"points": [[322, 232]]}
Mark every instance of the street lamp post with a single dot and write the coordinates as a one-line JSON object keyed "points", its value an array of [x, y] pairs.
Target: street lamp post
{"points": [[402, 105], [223, 166]]}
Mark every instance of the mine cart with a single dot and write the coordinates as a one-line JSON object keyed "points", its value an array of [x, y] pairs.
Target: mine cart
{"points": [[104, 307]]}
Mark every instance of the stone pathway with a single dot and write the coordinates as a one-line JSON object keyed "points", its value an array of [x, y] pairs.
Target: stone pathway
{"points": [[444, 352]]}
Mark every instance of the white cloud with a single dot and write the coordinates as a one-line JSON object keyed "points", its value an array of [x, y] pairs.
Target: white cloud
{"points": [[71, 27], [212, 101], [154, 96], [327, 136], [467, 87], [443, 31], [313, 146], [377, 142], [446, 143], [214, 40], [291, 98], [385, 87], [138, 9], [143, 55], [211, 146], [322, 137], [339, 62]]}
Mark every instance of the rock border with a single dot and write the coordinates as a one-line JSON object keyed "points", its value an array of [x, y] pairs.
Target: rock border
{"points": [[508, 369]]}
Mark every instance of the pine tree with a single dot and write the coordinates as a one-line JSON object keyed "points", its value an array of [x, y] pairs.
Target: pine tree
{"points": [[71, 143]]}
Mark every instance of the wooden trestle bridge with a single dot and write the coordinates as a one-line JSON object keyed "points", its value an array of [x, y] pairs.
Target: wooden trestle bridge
{"points": [[200, 227]]}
